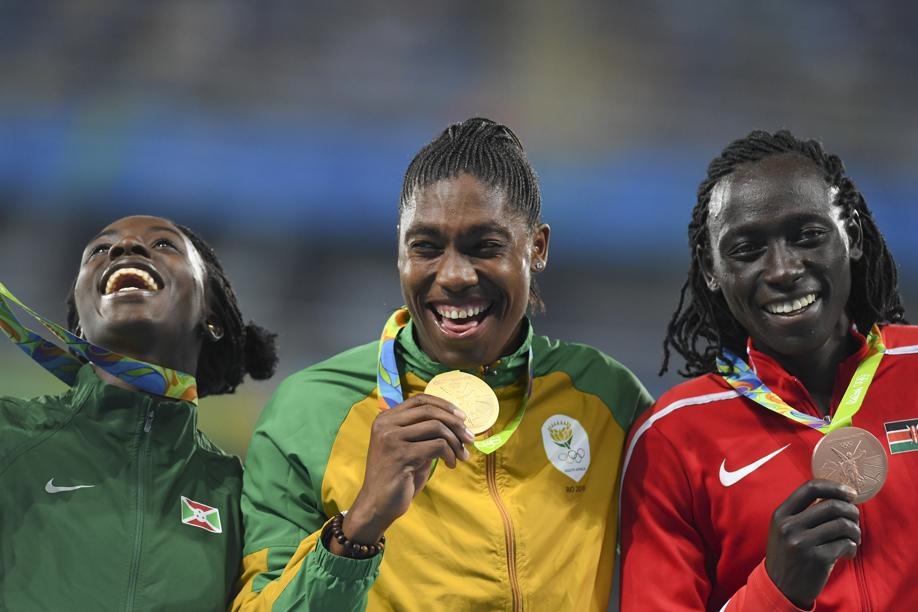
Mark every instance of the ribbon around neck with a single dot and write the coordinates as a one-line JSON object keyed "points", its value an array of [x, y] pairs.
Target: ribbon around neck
{"points": [[144, 376], [389, 386], [741, 377]]}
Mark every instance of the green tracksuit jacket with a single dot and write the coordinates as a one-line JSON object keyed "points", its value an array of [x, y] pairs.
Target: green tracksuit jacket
{"points": [[531, 526], [108, 501]]}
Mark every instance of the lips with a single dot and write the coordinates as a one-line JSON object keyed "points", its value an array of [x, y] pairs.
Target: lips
{"points": [[129, 276], [791, 306], [461, 319]]}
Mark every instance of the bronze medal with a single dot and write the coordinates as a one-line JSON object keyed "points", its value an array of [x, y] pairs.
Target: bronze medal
{"points": [[469, 394], [852, 456]]}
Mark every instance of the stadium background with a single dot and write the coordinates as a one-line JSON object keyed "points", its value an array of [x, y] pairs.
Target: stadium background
{"points": [[280, 132]]}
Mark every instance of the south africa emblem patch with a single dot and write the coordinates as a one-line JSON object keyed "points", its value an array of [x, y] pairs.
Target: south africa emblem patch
{"points": [[566, 445]]}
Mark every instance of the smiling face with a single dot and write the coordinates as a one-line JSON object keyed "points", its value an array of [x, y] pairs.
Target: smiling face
{"points": [[140, 291], [465, 263], [781, 255]]}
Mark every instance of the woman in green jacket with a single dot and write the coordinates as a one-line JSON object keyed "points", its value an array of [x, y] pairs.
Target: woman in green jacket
{"points": [[112, 499]]}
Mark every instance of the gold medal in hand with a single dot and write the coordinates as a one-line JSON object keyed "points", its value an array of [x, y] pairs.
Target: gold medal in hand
{"points": [[469, 394]]}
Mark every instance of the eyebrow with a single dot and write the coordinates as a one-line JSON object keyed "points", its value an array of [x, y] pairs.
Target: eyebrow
{"points": [[155, 228], [422, 229]]}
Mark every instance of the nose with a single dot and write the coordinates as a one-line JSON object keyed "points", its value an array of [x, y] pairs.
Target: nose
{"points": [[128, 245], [783, 265], [456, 272]]}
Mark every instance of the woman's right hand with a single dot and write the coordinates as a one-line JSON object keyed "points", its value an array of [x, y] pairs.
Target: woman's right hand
{"points": [[811, 530], [404, 442]]}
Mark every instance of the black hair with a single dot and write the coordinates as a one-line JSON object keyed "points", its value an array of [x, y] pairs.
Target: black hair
{"points": [[702, 325], [490, 152], [243, 349]]}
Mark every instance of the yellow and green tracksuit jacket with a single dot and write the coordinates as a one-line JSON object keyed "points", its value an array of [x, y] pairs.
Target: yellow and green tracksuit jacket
{"points": [[531, 526], [97, 511]]}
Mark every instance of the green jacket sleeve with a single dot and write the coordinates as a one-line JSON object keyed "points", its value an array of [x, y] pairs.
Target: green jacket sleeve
{"points": [[285, 564]]}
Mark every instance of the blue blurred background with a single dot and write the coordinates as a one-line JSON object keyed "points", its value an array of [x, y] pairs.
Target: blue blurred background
{"points": [[280, 131]]}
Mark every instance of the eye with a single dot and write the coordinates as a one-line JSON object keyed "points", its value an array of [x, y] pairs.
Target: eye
{"points": [[488, 248], [99, 249], [811, 235], [424, 248], [745, 250], [161, 243]]}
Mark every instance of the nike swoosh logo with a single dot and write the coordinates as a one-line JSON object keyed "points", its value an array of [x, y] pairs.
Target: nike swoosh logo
{"points": [[51, 488], [728, 478]]}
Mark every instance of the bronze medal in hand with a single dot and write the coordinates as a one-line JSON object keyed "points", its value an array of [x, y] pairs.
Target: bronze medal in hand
{"points": [[852, 456]]}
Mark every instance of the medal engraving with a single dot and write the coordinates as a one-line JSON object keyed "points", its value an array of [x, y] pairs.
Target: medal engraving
{"points": [[852, 456], [469, 394]]}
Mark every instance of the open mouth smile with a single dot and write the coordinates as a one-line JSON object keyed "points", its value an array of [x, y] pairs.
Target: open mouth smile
{"points": [[460, 320], [789, 308], [130, 278]]}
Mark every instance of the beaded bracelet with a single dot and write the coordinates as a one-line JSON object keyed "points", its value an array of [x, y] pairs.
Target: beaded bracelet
{"points": [[352, 550]]}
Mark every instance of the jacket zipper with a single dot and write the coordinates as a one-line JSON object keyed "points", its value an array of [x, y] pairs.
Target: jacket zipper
{"points": [[509, 539], [859, 571], [138, 531]]}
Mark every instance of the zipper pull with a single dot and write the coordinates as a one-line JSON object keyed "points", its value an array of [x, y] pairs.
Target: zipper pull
{"points": [[148, 423]]}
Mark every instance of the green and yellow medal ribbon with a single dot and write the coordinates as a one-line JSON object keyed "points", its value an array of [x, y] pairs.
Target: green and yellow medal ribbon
{"points": [[147, 377], [741, 377]]}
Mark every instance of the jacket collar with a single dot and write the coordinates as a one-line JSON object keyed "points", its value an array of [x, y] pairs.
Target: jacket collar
{"points": [[791, 390], [506, 370], [125, 411]]}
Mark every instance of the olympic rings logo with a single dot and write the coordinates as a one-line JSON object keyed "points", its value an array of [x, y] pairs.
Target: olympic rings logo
{"points": [[572, 456]]}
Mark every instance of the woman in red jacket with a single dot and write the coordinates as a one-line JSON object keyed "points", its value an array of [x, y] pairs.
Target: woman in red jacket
{"points": [[789, 324]]}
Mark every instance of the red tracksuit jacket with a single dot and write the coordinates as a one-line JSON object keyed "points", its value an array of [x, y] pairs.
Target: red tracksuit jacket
{"points": [[705, 468]]}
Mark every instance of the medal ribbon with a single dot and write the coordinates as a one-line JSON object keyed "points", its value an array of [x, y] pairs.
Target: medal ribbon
{"points": [[147, 377], [741, 377], [389, 384]]}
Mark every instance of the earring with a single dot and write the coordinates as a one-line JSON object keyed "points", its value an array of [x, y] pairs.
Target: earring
{"points": [[539, 266], [215, 331]]}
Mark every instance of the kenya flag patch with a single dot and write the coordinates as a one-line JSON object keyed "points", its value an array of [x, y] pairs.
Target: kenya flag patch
{"points": [[902, 436], [201, 515]]}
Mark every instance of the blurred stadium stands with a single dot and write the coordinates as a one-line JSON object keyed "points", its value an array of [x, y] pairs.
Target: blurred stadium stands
{"points": [[280, 131]]}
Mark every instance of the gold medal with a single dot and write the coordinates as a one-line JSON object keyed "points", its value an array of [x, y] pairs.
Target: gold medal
{"points": [[852, 456], [469, 394]]}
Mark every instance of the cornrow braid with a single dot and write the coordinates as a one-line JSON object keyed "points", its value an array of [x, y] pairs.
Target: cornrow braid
{"points": [[490, 152], [702, 326], [243, 349]]}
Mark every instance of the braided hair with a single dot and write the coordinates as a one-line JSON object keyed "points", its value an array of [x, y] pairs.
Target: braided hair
{"points": [[702, 325], [243, 349], [490, 152]]}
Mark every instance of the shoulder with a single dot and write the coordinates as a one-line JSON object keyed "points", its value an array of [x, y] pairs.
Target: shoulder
{"points": [[902, 339], [594, 372], [24, 421], [320, 396], [681, 403], [34, 413], [216, 459]]}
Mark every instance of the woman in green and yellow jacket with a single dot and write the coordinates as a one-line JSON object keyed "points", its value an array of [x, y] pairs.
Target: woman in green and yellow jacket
{"points": [[521, 517], [112, 498]]}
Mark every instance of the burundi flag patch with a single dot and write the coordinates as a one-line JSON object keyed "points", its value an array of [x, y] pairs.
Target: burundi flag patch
{"points": [[201, 515], [902, 436]]}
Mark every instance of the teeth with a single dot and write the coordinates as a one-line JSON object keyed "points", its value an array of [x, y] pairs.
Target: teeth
{"points": [[143, 275], [791, 306], [449, 312]]}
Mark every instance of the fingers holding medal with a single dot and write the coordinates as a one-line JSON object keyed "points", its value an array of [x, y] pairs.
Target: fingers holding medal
{"points": [[469, 394]]}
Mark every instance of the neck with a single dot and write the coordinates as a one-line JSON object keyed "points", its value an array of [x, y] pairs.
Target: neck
{"points": [[816, 370], [158, 351]]}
